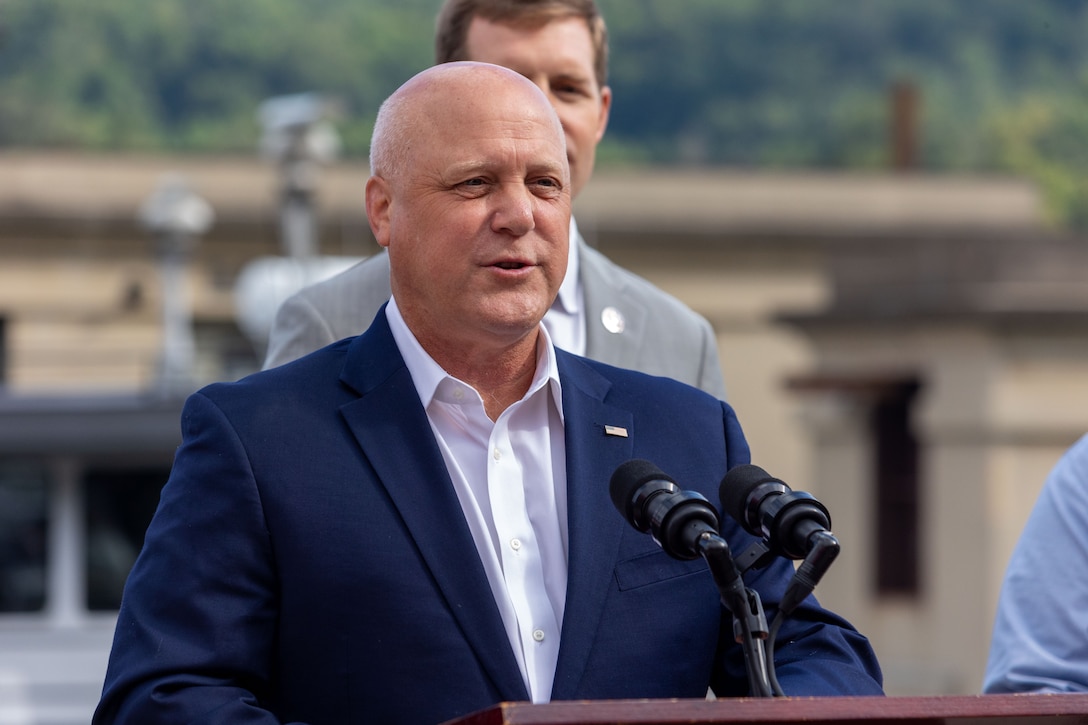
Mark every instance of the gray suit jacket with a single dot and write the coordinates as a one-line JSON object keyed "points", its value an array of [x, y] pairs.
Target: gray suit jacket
{"points": [[660, 335]]}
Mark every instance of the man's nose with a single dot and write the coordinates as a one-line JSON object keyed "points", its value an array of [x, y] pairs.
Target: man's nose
{"points": [[514, 211]]}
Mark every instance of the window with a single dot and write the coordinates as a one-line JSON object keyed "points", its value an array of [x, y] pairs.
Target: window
{"points": [[119, 504], [24, 498], [887, 401], [895, 455], [3, 350]]}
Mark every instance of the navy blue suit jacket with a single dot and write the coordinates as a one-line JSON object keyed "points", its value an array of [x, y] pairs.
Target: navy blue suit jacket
{"points": [[309, 561]]}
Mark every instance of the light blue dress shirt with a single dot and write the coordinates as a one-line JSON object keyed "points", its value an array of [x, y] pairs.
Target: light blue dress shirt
{"points": [[1040, 638]]}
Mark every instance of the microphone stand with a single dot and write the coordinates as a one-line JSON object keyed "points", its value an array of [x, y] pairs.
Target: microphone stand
{"points": [[823, 548], [749, 623]]}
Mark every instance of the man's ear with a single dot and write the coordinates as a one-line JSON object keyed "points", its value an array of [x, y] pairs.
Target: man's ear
{"points": [[379, 199], [602, 116]]}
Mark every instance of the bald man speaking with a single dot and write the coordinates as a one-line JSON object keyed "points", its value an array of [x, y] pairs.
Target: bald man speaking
{"points": [[415, 523]]}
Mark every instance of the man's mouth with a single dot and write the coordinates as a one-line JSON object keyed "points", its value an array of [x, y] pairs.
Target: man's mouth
{"points": [[510, 265]]}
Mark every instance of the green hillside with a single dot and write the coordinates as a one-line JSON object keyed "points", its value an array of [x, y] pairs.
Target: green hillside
{"points": [[1002, 84]]}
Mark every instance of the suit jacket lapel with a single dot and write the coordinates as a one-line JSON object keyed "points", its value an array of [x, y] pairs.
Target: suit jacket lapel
{"points": [[594, 527], [604, 291], [391, 426]]}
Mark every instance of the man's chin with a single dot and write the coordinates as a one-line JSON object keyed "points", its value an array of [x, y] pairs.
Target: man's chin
{"points": [[514, 324]]}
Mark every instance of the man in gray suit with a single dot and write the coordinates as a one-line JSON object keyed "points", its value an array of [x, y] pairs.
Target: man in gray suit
{"points": [[602, 311]]}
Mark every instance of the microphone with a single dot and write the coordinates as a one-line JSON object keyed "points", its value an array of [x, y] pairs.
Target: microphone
{"points": [[685, 525], [652, 502], [765, 506]]}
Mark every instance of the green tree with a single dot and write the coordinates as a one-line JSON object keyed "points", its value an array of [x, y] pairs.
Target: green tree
{"points": [[189, 74], [779, 83], [1045, 138]]}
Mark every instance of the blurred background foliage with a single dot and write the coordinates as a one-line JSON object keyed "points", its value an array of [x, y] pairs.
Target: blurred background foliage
{"points": [[785, 84]]}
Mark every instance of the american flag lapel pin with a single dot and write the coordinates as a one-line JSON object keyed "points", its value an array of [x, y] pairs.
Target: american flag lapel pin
{"points": [[615, 430]]}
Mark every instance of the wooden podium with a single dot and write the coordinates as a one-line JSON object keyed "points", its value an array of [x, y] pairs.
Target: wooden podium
{"points": [[950, 710]]}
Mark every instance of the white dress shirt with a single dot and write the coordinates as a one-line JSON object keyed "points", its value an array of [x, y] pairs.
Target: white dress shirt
{"points": [[510, 478], [565, 320]]}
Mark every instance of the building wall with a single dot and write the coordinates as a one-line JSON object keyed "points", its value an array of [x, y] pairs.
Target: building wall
{"points": [[1002, 397], [81, 295]]}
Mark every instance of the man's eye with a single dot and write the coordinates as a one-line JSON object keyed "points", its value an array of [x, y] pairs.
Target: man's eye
{"points": [[474, 186], [569, 89], [547, 186]]}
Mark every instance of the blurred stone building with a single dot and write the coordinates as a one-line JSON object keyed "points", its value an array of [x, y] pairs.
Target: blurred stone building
{"points": [[909, 348]]}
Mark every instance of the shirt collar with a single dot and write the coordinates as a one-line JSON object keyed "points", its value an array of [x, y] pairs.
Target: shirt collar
{"points": [[427, 374], [568, 298]]}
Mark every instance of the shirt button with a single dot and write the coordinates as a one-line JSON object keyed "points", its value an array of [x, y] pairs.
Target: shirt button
{"points": [[458, 393], [497, 454], [538, 635], [515, 544]]}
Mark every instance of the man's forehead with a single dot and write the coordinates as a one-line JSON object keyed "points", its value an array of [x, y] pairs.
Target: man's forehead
{"points": [[510, 108], [536, 160], [526, 47], [537, 149]]}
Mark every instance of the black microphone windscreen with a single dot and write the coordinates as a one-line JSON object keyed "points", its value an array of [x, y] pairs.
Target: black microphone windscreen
{"points": [[627, 478], [737, 485]]}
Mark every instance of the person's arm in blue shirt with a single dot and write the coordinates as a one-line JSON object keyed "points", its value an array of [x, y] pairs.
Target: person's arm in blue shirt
{"points": [[1040, 638]]}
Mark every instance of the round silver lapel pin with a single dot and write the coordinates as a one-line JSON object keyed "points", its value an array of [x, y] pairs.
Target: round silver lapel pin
{"points": [[613, 321]]}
